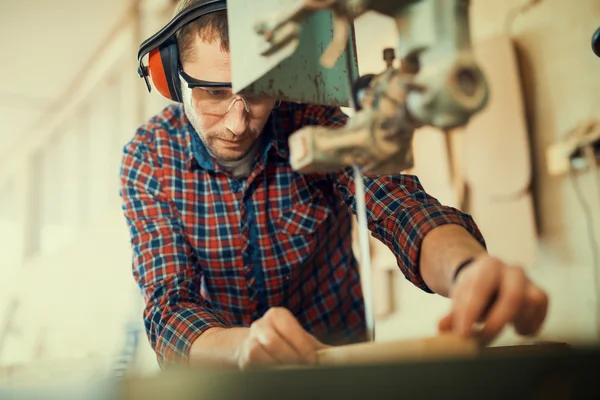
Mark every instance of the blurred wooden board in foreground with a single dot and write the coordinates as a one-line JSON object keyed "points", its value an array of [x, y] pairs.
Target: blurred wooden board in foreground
{"points": [[446, 346], [443, 346], [554, 372]]}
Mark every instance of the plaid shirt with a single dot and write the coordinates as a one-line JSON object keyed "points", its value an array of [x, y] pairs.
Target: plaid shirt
{"points": [[210, 250]]}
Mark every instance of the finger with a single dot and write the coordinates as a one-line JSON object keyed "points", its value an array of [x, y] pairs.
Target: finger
{"points": [[473, 295], [529, 320], [255, 355], [318, 345], [510, 299], [445, 324], [273, 343], [486, 311], [299, 339]]}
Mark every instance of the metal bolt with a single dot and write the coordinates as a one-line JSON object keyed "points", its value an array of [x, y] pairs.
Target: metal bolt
{"points": [[467, 80], [389, 55]]}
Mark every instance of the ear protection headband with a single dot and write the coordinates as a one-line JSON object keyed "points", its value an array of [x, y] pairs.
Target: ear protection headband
{"points": [[163, 63]]}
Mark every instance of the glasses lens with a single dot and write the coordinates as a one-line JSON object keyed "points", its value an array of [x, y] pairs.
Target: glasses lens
{"points": [[213, 100], [218, 101]]}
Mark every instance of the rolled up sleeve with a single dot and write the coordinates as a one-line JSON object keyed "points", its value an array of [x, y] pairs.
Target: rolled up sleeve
{"points": [[400, 214], [164, 265]]}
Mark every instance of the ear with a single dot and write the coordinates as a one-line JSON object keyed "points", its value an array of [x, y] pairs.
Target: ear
{"points": [[163, 68], [163, 64]]}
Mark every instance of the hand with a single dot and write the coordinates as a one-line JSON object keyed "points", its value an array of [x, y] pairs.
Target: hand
{"points": [[496, 294], [276, 339]]}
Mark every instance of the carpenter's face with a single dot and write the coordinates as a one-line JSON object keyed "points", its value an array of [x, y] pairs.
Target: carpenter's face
{"points": [[228, 124]]}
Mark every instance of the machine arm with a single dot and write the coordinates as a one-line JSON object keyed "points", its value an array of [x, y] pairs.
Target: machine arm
{"points": [[437, 83]]}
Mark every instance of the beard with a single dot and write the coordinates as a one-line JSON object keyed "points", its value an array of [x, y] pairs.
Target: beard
{"points": [[211, 139]]}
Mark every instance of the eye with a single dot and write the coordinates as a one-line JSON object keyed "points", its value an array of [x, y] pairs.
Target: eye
{"points": [[218, 93]]}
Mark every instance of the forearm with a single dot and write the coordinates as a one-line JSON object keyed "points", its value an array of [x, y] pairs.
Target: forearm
{"points": [[217, 347], [442, 251]]}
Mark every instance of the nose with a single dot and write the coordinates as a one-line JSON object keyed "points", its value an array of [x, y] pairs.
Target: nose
{"points": [[236, 119]]}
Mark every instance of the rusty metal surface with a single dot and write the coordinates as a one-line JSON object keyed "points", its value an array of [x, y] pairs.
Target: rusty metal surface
{"points": [[279, 29], [378, 138], [292, 70], [438, 84]]}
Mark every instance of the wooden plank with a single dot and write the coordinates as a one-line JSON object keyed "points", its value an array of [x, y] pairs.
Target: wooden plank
{"points": [[508, 226], [437, 347], [433, 165], [496, 143]]}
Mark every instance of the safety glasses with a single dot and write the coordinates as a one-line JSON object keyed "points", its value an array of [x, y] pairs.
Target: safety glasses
{"points": [[195, 83]]}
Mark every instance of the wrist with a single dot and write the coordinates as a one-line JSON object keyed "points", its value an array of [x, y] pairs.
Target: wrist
{"points": [[217, 346], [442, 252], [460, 268]]}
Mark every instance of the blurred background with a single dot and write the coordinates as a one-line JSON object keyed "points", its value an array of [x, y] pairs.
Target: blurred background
{"points": [[70, 99]]}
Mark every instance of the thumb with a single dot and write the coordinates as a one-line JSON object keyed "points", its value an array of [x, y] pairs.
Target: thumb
{"points": [[445, 324]]}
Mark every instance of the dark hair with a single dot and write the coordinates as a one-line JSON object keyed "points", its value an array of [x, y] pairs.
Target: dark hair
{"points": [[208, 27]]}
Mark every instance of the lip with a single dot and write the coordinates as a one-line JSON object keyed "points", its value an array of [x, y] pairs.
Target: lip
{"points": [[232, 141], [235, 143]]}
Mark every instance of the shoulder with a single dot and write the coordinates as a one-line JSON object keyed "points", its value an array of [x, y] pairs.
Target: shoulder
{"points": [[164, 133]]}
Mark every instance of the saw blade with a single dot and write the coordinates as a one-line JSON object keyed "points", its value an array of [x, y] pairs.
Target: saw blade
{"points": [[364, 251]]}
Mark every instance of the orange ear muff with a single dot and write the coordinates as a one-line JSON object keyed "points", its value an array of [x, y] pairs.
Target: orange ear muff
{"points": [[156, 70], [163, 64], [163, 68]]}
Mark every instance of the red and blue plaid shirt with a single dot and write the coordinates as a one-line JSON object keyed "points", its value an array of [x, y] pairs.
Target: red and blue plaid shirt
{"points": [[210, 250]]}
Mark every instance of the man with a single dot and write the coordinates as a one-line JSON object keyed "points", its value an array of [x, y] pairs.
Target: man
{"points": [[245, 262]]}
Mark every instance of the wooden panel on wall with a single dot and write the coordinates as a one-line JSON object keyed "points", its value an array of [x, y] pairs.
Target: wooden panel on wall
{"points": [[497, 144], [507, 226], [436, 166], [498, 161]]}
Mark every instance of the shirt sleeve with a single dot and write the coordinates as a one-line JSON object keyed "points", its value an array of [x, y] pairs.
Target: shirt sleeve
{"points": [[164, 266], [400, 213]]}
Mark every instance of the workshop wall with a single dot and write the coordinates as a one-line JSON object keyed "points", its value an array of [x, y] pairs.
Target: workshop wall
{"points": [[561, 84], [67, 296], [561, 87]]}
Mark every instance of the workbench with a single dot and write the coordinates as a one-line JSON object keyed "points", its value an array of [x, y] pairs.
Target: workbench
{"points": [[519, 372]]}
